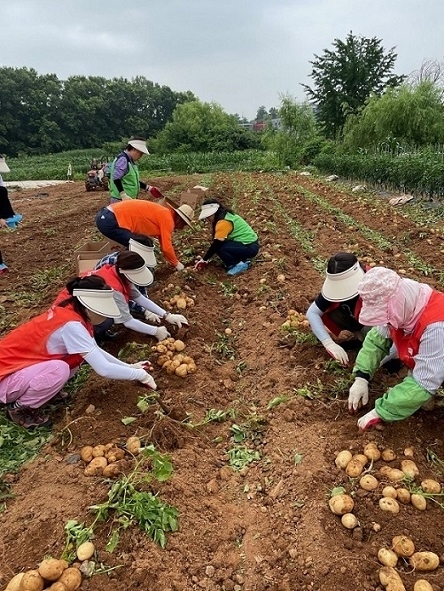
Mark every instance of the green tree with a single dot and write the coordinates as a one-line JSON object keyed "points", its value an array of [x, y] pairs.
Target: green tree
{"points": [[203, 127], [407, 115], [346, 76]]}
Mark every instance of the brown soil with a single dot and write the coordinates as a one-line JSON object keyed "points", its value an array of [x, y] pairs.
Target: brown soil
{"points": [[267, 527]]}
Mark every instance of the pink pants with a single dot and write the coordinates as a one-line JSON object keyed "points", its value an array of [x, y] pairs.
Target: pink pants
{"points": [[33, 386]]}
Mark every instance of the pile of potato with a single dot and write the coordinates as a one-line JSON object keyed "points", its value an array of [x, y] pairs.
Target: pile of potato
{"points": [[392, 494], [295, 320], [52, 574], [180, 301], [103, 460], [172, 359]]}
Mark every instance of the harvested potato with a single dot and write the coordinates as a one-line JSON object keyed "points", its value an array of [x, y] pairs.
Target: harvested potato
{"points": [[388, 455], [14, 583], [133, 445], [431, 486], [51, 568], [111, 470], [384, 470], [71, 578], [422, 585], [387, 557], [179, 357], [361, 458], [96, 466], [354, 468], [85, 551], [341, 504], [403, 496], [372, 452], [179, 345], [390, 491], [403, 546], [192, 368], [98, 451], [181, 303], [368, 482], [86, 453], [424, 561], [31, 581], [419, 502], [349, 520], [162, 359], [58, 586], [409, 452], [409, 468], [343, 458], [395, 475], [390, 579], [182, 370], [114, 453], [388, 504], [160, 348]]}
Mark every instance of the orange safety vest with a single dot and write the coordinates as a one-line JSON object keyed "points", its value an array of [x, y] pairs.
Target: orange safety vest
{"points": [[27, 344], [408, 344]]}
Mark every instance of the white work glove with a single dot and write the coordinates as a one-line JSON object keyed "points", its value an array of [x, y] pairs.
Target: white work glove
{"points": [[336, 351], [161, 333], [179, 266], [151, 317], [369, 420], [146, 365], [357, 395], [176, 319], [123, 196], [148, 381]]}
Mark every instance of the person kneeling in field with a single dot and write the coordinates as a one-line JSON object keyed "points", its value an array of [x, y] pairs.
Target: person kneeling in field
{"points": [[121, 273], [40, 356], [410, 315], [338, 305], [234, 241]]}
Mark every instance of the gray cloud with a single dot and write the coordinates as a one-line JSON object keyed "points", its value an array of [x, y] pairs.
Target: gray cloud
{"points": [[241, 54]]}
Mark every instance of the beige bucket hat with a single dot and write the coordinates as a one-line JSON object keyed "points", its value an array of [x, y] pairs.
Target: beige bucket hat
{"points": [[146, 252], [3, 166], [100, 301], [186, 212], [340, 287], [138, 145]]}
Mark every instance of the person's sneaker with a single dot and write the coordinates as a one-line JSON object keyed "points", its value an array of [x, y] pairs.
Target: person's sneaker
{"points": [[239, 268], [27, 417]]}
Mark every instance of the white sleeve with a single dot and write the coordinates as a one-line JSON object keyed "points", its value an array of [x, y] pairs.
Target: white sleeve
{"points": [[124, 310], [149, 305], [314, 317], [140, 326], [112, 368], [72, 338]]}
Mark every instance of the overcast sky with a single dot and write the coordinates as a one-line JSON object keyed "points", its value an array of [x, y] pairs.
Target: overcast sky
{"points": [[240, 54]]}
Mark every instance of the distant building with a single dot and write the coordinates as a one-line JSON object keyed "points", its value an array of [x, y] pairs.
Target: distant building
{"points": [[259, 126]]}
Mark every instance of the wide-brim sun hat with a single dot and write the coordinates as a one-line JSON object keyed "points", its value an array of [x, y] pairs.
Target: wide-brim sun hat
{"points": [[3, 166], [141, 276], [186, 212], [146, 252], [340, 287], [139, 145], [100, 301], [208, 209]]}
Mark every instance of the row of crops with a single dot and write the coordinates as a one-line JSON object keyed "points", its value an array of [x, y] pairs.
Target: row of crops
{"points": [[421, 173]]}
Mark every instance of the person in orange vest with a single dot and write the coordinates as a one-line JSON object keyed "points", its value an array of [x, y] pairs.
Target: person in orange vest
{"points": [[123, 221], [40, 356], [129, 269], [410, 315]]}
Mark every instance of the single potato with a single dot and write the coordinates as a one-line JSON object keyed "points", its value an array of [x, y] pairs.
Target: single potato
{"points": [[14, 583], [85, 551], [409, 468], [422, 585], [349, 521], [403, 546], [341, 504], [388, 504], [431, 486], [390, 579], [387, 557], [71, 578], [424, 561], [368, 482], [419, 502], [96, 466], [343, 458], [31, 581], [51, 568]]}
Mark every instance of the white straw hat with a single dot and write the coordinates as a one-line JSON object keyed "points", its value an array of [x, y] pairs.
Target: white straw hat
{"points": [[186, 212], [208, 209], [139, 145], [3, 166], [146, 252], [141, 276], [100, 301], [340, 287]]}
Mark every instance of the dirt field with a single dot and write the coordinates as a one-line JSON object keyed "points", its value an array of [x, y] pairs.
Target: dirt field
{"points": [[266, 527]]}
